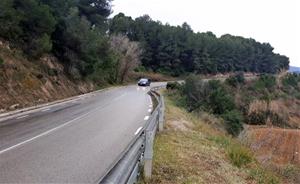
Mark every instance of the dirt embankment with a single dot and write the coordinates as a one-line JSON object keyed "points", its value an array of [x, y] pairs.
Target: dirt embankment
{"points": [[274, 145], [26, 83]]}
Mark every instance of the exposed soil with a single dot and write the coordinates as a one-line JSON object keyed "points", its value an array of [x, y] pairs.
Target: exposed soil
{"points": [[274, 145], [26, 83]]}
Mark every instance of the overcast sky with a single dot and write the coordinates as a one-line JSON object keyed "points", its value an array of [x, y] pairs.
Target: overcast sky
{"points": [[273, 21]]}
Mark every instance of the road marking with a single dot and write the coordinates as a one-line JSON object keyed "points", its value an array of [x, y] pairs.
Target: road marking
{"points": [[138, 130], [45, 110], [151, 106], [149, 110], [54, 129], [146, 118], [22, 117]]}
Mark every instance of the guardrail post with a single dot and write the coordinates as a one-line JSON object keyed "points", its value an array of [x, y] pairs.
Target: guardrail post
{"points": [[161, 115], [148, 156]]}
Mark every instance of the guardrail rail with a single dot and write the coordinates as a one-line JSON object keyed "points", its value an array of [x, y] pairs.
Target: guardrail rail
{"points": [[139, 153]]}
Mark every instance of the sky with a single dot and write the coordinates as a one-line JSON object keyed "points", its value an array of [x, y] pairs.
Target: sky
{"points": [[274, 21]]}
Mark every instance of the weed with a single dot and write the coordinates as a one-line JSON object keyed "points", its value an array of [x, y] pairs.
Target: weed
{"points": [[234, 122], [222, 141], [239, 155], [263, 177]]}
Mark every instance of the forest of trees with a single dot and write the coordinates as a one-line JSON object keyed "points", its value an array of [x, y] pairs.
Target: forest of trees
{"points": [[177, 50], [82, 37]]}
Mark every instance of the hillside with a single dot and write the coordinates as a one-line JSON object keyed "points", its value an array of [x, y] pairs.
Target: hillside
{"points": [[26, 83], [192, 149], [263, 113]]}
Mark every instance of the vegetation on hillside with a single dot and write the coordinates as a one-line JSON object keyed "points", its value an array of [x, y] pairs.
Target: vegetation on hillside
{"points": [[178, 49], [191, 150], [75, 31], [260, 101], [80, 34]]}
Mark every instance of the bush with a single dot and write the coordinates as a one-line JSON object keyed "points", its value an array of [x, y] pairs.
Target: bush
{"points": [[235, 80], [291, 80], [220, 101], [263, 177], [39, 46], [173, 86], [265, 82], [257, 113], [234, 122], [262, 112], [239, 155], [209, 96]]}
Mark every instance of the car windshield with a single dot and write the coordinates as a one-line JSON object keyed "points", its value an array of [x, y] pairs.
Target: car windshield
{"points": [[144, 80]]}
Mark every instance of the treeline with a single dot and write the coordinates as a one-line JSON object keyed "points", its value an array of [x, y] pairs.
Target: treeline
{"points": [[90, 45], [178, 50], [73, 30]]}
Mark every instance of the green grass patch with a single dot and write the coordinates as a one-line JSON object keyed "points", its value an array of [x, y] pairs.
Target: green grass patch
{"points": [[261, 176], [239, 155]]}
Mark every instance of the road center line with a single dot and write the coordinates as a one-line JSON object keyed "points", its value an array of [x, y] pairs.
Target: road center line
{"points": [[54, 129], [22, 117], [138, 130]]}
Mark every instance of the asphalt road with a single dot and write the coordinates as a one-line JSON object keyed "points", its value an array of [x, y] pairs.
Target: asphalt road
{"points": [[72, 142]]}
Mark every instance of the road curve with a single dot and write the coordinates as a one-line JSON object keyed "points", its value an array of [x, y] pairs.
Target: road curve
{"points": [[72, 142]]}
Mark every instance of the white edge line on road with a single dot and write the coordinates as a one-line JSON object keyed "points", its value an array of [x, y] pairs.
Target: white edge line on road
{"points": [[41, 135], [146, 118], [45, 110], [22, 117], [54, 129], [138, 130]]}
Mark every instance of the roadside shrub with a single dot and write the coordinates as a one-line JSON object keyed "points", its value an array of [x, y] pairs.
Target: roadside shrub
{"points": [[207, 95], [239, 155], [140, 69], [173, 86], [235, 80], [265, 82], [291, 79], [234, 122], [220, 101]]}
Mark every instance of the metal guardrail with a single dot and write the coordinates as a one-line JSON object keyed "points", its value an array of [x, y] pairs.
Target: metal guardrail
{"points": [[139, 153]]}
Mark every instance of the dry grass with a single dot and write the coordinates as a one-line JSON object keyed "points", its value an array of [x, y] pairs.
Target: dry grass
{"points": [[258, 106], [272, 113], [199, 153]]}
